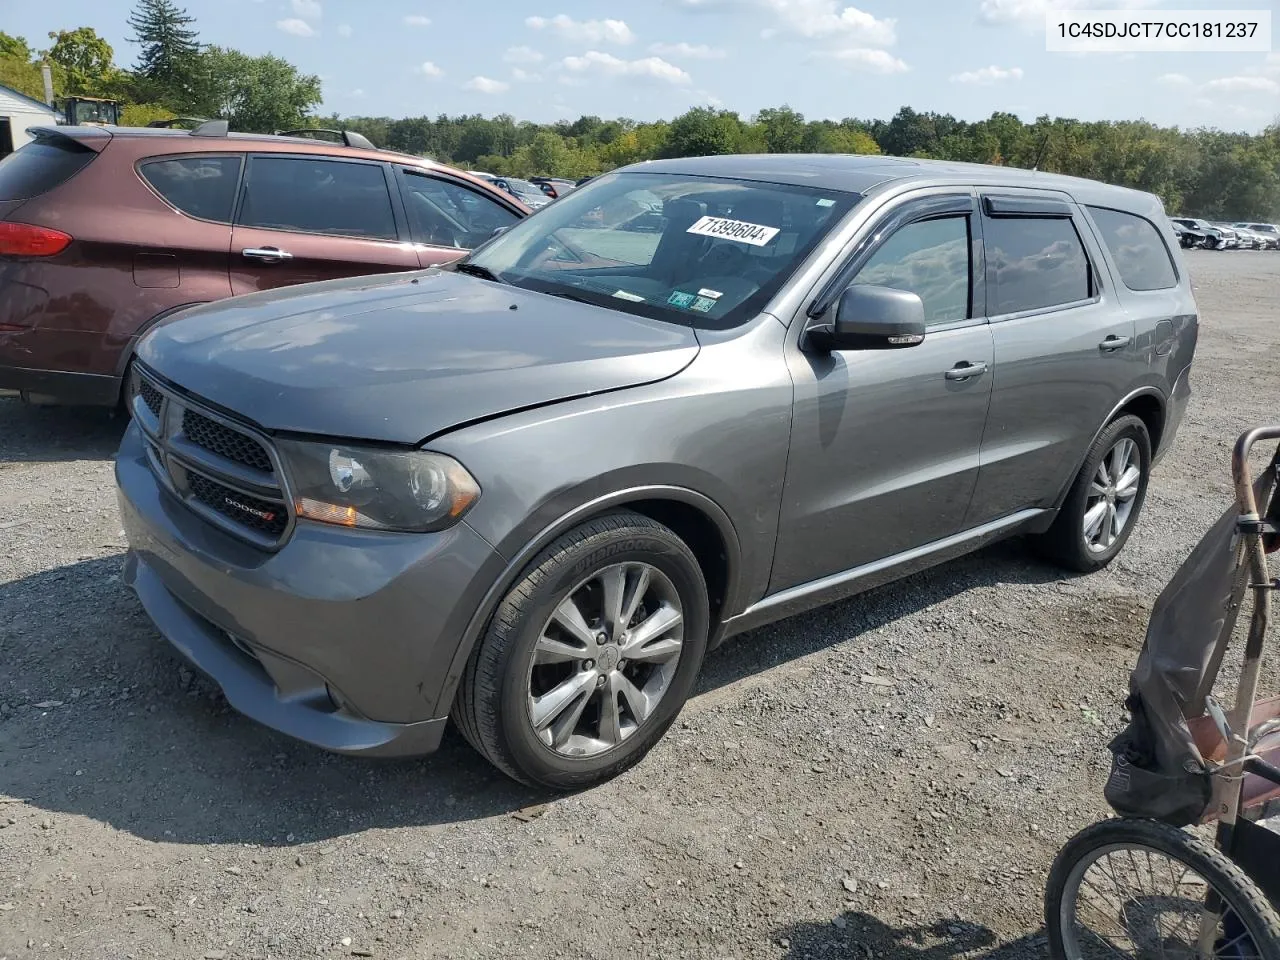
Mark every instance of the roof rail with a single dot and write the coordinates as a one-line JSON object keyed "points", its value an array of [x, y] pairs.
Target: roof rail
{"points": [[212, 128], [349, 137]]}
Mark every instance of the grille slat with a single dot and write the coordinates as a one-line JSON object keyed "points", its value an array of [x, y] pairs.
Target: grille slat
{"points": [[225, 442], [261, 515], [179, 448]]}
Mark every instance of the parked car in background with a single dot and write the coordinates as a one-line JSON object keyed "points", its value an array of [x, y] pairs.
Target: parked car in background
{"points": [[107, 231], [1269, 232], [1231, 239], [529, 491], [524, 191], [1188, 237], [553, 187], [1214, 239]]}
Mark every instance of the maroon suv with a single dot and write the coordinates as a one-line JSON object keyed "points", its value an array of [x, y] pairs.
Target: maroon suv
{"points": [[106, 230]]}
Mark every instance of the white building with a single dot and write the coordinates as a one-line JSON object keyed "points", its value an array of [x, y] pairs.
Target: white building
{"points": [[17, 112]]}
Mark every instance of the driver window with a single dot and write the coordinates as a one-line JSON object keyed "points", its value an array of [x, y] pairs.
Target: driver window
{"points": [[445, 214], [929, 258]]}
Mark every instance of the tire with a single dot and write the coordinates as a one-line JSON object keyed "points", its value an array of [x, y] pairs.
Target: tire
{"points": [[1066, 542], [497, 705], [1253, 914]]}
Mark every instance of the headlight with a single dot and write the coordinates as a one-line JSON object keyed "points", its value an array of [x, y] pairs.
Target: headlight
{"points": [[377, 489]]}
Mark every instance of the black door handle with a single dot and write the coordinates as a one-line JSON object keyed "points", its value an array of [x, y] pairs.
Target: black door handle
{"points": [[1113, 343], [964, 370]]}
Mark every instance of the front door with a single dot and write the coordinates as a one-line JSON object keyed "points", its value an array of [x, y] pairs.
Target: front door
{"points": [[884, 443], [306, 218], [1065, 350]]}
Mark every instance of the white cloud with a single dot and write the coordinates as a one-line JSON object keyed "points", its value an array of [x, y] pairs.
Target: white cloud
{"points": [[710, 99], [584, 31], [525, 55], [417, 20], [308, 9], [299, 28], [357, 92], [428, 69], [652, 68], [986, 76], [1174, 80], [487, 85], [689, 51], [825, 19], [1031, 12], [344, 29], [870, 61], [520, 75], [1243, 85]]}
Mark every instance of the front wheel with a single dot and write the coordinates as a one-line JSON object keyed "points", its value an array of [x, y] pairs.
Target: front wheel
{"points": [[1104, 502], [1148, 891], [590, 657]]}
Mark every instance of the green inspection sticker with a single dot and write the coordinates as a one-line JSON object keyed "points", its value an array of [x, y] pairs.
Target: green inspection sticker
{"points": [[704, 304], [681, 299]]}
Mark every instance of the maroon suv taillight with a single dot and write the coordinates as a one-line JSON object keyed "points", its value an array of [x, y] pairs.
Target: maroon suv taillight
{"points": [[28, 240]]}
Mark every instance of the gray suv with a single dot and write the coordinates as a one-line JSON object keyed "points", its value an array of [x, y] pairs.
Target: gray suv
{"points": [[530, 491]]}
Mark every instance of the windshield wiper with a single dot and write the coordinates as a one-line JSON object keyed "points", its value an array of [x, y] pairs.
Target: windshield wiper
{"points": [[475, 270], [576, 298]]}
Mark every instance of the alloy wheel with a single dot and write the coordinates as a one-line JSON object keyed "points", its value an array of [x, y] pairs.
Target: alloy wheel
{"points": [[1112, 495], [605, 659]]}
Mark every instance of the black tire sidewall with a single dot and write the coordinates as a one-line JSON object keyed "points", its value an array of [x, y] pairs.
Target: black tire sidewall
{"points": [[650, 544], [1073, 509]]}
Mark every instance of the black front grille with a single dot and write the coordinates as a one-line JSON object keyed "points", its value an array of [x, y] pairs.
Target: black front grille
{"points": [[225, 442], [150, 396], [261, 515]]}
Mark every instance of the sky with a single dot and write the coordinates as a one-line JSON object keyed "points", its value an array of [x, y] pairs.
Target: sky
{"points": [[545, 60]]}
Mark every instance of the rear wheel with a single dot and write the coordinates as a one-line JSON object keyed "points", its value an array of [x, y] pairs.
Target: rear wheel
{"points": [[590, 657], [1145, 890], [1104, 502]]}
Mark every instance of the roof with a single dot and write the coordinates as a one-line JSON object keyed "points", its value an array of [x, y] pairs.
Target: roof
{"points": [[21, 99], [861, 173]]}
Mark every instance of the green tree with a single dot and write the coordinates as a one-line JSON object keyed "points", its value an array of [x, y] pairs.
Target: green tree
{"points": [[168, 42], [87, 59], [14, 47], [256, 94], [703, 131], [783, 129]]}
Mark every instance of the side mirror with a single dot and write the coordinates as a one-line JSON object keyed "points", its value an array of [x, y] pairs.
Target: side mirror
{"points": [[869, 317]]}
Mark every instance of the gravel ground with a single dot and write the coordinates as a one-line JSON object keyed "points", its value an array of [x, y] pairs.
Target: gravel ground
{"points": [[798, 809]]}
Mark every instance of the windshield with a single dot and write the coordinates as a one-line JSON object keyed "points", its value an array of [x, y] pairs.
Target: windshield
{"points": [[523, 188], [696, 250]]}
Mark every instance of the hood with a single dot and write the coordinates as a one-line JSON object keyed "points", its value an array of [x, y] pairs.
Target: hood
{"points": [[403, 357]]}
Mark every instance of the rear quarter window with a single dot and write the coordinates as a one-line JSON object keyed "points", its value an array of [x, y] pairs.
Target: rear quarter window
{"points": [[1139, 251], [203, 187], [41, 165]]}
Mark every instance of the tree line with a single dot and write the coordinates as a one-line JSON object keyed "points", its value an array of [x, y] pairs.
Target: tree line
{"points": [[1208, 173]]}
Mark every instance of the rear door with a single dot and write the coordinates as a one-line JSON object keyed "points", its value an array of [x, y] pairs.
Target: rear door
{"points": [[1065, 350], [447, 217], [307, 218]]}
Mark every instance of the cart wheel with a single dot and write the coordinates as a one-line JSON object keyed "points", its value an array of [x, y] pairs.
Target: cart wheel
{"points": [[1140, 888]]}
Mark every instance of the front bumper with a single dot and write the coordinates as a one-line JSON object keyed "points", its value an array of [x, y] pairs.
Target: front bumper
{"points": [[341, 638]]}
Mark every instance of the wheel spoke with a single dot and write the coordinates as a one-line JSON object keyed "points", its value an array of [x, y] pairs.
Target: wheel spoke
{"points": [[562, 728], [1097, 488], [1093, 519], [610, 716], [636, 590], [549, 706], [1103, 476], [637, 702], [613, 582], [1127, 485], [570, 618], [550, 650], [661, 621], [1108, 526]]}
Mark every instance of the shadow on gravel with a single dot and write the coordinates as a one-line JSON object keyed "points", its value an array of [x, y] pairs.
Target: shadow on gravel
{"points": [[51, 434], [861, 936], [99, 718]]}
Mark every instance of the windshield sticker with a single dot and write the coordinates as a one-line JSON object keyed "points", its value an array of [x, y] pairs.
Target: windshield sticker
{"points": [[826, 203], [703, 305], [626, 295], [739, 231], [713, 294], [681, 299]]}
